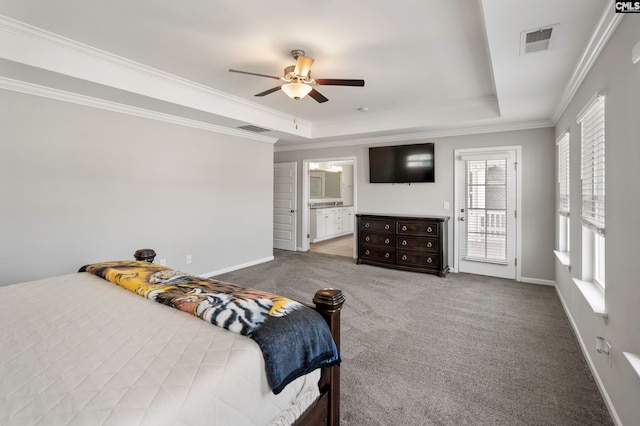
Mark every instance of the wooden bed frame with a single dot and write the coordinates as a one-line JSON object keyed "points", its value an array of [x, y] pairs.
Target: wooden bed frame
{"points": [[328, 303], [326, 410]]}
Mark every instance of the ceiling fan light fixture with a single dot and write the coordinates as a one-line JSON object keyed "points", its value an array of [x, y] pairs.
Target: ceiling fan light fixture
{"points": [[298, 82], [296, 90]]}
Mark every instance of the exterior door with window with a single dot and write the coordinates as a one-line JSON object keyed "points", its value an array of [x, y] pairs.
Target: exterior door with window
{"points": [[486, 212]]}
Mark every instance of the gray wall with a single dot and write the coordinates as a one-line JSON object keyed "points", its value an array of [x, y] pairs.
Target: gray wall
{"points": [[80, 185], [614, 74], [538, 151]]}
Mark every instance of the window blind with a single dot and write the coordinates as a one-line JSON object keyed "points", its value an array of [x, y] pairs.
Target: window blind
{"points": [[593, 186], [486, 210], [563, 175]]}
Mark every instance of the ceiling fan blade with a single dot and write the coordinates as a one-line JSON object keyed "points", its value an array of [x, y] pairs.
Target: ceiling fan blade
{"points": [[303, 66], [256, 74], [266, 92], [317, 96], [339, 82]]}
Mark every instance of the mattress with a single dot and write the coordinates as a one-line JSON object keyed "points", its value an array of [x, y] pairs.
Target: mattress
{"points": [[78, 350]]}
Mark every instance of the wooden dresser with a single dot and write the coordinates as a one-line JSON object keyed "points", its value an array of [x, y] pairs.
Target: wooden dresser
{"points": [[412, 243]]}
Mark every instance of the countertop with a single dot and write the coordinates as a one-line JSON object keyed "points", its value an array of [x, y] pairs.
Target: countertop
{"points": [[329, 206]]}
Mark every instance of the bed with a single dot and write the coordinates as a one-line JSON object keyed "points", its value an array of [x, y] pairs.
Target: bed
{"points": [[78, 349]]}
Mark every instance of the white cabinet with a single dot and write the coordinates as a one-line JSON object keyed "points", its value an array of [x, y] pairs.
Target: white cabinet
{"points": [[331, 222], [322, 223], [348, 218], [337, 221], [347, 184]]}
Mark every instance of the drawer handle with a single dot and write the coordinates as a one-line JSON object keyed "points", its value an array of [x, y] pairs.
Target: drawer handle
{"points": [[386, 226], [404, 242], [386, 241], [366, 225], [429, 229], [404, 257], [429, 260], [429, 244], [386, 255], [367, 238], [404, 227], [367, 252]]}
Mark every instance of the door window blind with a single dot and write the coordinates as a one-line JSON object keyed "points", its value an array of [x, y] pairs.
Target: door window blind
{"points": [[486, 210], [563, 175], [593, 186]]}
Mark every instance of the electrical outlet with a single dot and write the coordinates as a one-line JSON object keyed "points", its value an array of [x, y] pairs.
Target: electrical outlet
{"points": [[445, 205], [188, 259], [163, 262]]}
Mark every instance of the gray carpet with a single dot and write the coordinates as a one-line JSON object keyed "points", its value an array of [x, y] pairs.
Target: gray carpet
{"points": [[463, 350]]}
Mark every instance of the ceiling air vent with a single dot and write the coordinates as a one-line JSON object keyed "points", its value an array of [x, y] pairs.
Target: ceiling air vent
{"points": [[252, 128], [535, 41]]}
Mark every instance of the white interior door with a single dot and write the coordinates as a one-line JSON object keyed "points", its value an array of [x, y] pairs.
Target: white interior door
{"points": [[486, 212], [284, 205]]}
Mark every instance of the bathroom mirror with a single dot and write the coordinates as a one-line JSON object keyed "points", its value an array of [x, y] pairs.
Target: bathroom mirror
{"points": [[324, 184]]}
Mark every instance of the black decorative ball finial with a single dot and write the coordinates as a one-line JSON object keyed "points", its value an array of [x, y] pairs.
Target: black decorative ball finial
{"points": [[146, 255]]}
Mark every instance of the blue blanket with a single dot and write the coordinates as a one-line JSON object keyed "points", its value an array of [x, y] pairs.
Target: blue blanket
{"points": [[294, 339]]}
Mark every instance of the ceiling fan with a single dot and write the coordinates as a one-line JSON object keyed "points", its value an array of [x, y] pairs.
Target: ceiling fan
{"points": [[299, 82]]}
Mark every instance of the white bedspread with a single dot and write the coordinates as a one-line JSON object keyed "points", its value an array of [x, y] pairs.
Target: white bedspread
{"points": [[77, 350]]}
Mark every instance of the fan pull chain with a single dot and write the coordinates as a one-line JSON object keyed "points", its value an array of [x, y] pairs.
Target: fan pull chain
{"points": [[295, 122]]}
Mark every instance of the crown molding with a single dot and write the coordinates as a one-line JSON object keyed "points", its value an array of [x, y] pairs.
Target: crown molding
{"points": [[64, 96], [457, 131], [36, 47], [26, 44], [603, 31]]}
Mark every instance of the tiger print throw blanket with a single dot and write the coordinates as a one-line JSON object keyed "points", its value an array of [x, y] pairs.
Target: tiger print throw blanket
{"points": [[294, 338]]}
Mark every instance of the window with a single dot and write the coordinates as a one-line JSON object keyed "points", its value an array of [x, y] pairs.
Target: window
{"points": [[591, 121], [563, 194], [598, 265]]}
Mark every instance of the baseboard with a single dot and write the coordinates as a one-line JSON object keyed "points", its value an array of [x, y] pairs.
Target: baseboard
{"points": [[527, 280], [594, 372], [537, 281], [332, 236], [236, 267]]}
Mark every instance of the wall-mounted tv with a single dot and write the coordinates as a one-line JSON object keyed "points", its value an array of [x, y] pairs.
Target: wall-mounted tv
{"points": [[402, 163]]}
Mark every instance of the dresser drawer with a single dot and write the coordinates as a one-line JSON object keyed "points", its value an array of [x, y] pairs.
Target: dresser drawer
{"points": [[426, 244], [378, 254], [417, 228], [414, 258], [369, 239], [377, 225]]}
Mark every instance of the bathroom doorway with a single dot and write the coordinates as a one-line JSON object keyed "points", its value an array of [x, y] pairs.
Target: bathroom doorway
{"points": [[329, 205]]}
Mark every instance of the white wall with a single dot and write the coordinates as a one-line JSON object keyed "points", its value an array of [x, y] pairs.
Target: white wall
{"points": [[80, 185], [615, 75], [427, 198]]}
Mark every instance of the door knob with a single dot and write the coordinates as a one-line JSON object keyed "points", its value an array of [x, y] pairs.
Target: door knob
{"points": [[293, 211]]}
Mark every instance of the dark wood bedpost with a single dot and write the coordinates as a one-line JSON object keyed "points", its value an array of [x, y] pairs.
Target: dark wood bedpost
{"points": [[328, 303]]}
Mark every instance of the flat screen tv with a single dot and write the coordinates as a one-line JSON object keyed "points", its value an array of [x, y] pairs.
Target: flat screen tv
{"points": [[402, 163]]}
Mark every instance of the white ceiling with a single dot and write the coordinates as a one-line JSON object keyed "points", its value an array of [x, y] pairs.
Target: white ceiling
{"points": [[429, 65]]}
